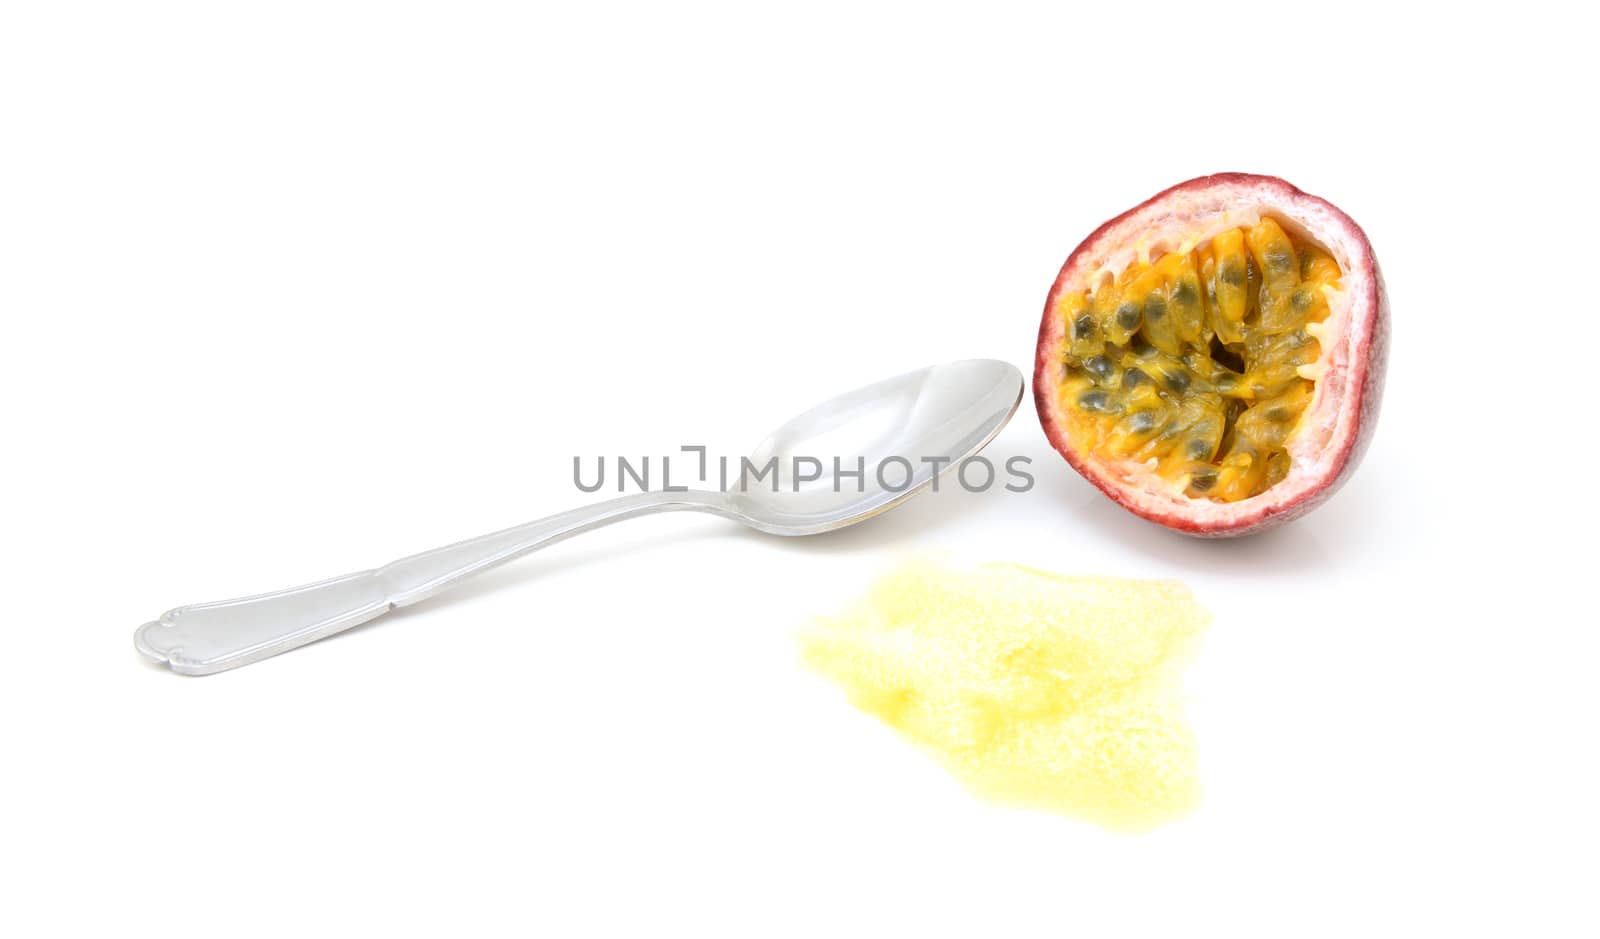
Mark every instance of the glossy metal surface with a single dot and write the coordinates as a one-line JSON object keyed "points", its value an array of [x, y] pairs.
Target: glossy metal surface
{"points": [[899, 434]]}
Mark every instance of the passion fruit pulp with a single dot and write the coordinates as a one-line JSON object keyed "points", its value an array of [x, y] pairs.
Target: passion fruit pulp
{"points": [[1213, 359]]}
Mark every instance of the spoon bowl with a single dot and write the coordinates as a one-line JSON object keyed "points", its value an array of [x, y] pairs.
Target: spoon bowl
{"points": [[870, 449], [839, 463]]}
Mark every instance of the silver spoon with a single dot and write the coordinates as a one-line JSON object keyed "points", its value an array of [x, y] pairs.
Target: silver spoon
{"points": [[839, 463]]}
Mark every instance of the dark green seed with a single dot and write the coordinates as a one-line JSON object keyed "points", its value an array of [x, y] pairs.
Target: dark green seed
{"points": [[1084, 327], [1199, 449], [1095, 401], [1142, 422], [1099, 366], [1233, 273], [1300, 300], [1132, 377], [1155, 307], [1277, 413], [1128, 316], [1278, 260], [1202, 481], [1186, 293], [1178, 382]]}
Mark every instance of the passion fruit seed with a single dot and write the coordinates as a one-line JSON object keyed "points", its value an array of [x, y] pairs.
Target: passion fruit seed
{"points": [[1211, 346], [1142, 422], [1098, 402]]}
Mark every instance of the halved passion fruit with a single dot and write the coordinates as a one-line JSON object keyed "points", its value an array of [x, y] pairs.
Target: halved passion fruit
{"points": [[1213, 359]]}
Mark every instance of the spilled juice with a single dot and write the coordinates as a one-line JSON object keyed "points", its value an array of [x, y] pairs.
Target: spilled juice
{"points": [[1046, 691]]}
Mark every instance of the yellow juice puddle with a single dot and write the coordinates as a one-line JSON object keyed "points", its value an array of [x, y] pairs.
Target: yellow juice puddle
{"points": [[1051, 692]]}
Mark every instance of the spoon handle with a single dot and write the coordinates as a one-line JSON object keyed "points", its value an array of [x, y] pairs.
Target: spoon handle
{"points": [[212, 637]]}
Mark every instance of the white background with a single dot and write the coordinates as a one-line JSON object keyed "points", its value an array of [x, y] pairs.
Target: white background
{"points": [[292, 289]]}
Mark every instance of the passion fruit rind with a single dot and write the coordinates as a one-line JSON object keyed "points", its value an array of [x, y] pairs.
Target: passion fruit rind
{"points": [[1230, 412]]}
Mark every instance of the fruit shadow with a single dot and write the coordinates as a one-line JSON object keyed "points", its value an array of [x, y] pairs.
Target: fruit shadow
{"points": [[1289, 550], [1341, 532], [1353, 524]]}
